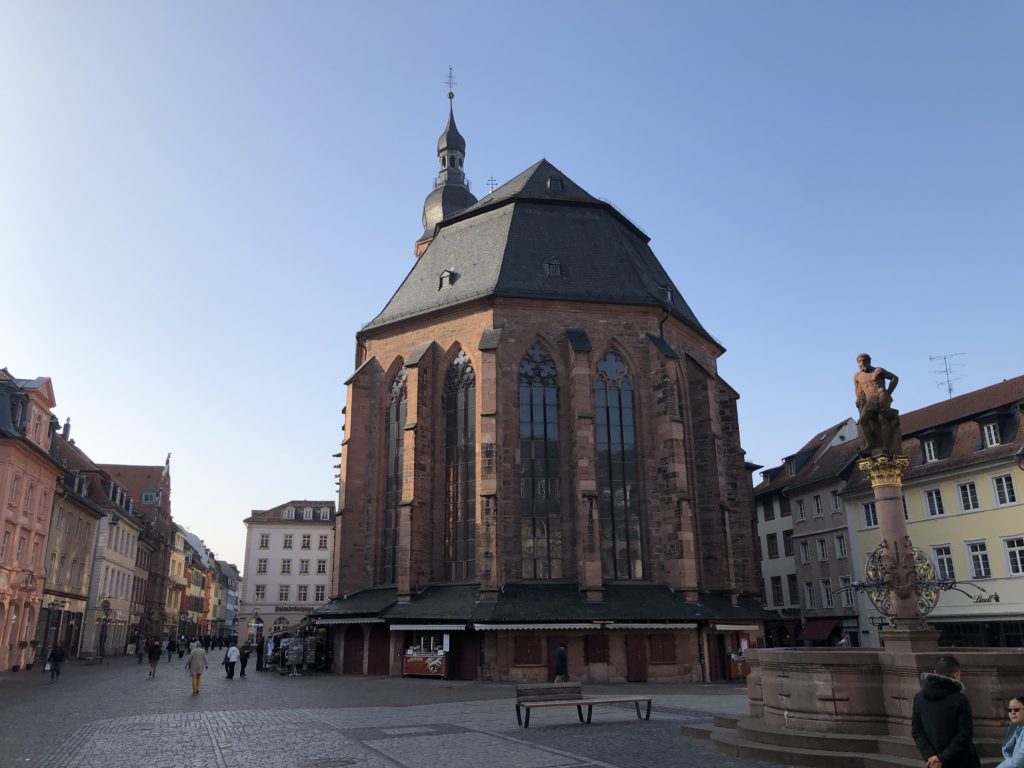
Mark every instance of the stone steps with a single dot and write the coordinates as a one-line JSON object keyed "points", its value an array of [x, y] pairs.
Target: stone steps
{"points": [[751, 738]]}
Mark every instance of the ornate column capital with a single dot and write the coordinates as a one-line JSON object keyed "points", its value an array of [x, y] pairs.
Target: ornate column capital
{"points": [[884, 470]]}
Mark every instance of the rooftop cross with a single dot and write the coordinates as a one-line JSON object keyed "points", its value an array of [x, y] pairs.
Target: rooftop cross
{"points": [[451, 82], [492, 183]]}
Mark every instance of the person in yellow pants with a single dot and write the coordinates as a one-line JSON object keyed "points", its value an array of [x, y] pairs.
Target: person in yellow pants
{"points": [[195, 665]]}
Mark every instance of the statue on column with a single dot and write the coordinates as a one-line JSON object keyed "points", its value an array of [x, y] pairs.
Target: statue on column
{"points": [[879, 424]]}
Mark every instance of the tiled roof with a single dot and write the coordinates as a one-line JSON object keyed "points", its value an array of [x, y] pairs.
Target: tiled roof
{"points": [[806, 460], [274, 514], [963, 406], [457, 602], [365, 602]]}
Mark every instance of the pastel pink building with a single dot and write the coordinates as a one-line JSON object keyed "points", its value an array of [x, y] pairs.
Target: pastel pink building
{"points": [[29, 473]]}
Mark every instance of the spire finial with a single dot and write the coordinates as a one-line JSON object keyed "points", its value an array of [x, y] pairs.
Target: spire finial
{"points": [[451, 82], [492, 183]]}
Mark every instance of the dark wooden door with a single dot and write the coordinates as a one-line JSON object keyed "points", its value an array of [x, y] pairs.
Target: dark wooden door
{"points": [[379, 657], [352, 656], [467, 655], [636, 658]]}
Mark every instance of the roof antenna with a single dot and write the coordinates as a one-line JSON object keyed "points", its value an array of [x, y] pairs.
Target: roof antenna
{"points": [[946, 371]]}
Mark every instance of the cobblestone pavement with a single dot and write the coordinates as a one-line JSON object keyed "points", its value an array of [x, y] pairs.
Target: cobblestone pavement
{"points": [[115, 716]]}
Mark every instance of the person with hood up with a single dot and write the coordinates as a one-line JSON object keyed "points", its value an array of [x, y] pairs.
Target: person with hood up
{"points": [[943, 723]]}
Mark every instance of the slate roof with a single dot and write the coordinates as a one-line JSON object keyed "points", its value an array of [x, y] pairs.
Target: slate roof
{"points": [[541, 603], [805, 460], [365, 602], [499, 246]]}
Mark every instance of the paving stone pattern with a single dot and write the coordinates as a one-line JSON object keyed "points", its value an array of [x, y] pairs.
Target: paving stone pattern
{"points": [[112, 716]]}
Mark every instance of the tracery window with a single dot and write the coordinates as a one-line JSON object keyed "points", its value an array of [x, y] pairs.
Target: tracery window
{"points": [[541, 526], [618, 497], [459, 401], [397, 397]]}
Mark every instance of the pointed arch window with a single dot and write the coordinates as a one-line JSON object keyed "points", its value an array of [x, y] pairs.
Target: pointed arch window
{"points": [[459, 401], [618, 497], [397, 398], [539, 502]]}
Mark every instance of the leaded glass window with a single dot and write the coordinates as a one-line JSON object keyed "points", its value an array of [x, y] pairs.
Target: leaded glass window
{"points": [[397, 397], [618, 496], [539, 503], [460, 470]]}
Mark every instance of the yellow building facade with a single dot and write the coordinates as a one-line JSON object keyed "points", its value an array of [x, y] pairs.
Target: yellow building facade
{"points": [[964, 503]]}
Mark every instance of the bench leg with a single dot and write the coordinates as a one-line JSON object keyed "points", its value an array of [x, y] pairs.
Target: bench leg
{"points": [[590, 713], [648, 717], [579, 711], [519, 716], [527, 723], [637, 705]]}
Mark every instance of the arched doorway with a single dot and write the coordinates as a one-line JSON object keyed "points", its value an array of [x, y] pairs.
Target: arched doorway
{"points": [[352, 656], [378, 660]]}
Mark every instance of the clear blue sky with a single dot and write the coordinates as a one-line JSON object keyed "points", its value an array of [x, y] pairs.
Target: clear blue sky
{"points": [[200, 203]]}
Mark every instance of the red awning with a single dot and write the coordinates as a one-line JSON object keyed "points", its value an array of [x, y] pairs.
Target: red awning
{"points": [[818, 629]]}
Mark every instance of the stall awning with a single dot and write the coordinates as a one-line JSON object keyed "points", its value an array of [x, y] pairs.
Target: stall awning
{"points": [[364, 620], [737, 627], [818, 629], [428, 627], [653, 625], [486, 627]]}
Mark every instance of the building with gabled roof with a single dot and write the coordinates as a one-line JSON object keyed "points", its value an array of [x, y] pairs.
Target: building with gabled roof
{"points": [[538, 411], [30, 469]]}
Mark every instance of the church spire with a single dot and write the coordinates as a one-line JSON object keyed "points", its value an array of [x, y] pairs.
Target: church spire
{"points": [[451, 189]]}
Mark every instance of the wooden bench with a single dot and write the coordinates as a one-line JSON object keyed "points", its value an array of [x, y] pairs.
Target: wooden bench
{"points": [[531, 695]]}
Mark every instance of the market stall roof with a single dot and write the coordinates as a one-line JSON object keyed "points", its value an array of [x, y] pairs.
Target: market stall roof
{"points": [[440, 604], [365, 602]]}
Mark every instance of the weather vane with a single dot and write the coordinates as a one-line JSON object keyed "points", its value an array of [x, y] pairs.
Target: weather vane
{"points": [[451, 82]]}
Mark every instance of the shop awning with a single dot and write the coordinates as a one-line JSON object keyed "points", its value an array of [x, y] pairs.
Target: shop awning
{"points": [[527, 627], [363, 620], [737, 627], [428, 627], [818, 629]]}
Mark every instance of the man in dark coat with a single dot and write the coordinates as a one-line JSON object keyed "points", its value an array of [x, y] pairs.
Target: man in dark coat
{"points": [[561, 664], [943, 724]]}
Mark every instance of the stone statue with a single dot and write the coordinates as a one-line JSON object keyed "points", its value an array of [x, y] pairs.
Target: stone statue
{"points": [[879, 424]]}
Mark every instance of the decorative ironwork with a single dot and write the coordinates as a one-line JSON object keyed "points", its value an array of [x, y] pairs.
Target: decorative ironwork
{"points": [[892, 572]]}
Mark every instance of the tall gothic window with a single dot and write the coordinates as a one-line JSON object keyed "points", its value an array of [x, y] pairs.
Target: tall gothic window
{"points": [[393, 486], [538, 471], [460, 470], [618, 498]]}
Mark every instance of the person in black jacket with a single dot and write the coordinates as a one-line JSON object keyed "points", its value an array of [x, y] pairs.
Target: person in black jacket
{"points": [[942, 723], [56, 659]]}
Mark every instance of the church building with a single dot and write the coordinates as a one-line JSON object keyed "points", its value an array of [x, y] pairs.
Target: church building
{"points": [[539, 450]]}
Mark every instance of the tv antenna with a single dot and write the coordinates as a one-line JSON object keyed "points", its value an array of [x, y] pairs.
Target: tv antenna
{"points": [[946, 370]]}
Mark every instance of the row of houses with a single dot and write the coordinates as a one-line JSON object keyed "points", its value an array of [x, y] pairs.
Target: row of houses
{"points": [[817, 525], [90, 556]]}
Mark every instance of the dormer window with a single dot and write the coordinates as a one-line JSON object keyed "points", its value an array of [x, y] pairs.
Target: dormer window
{"points": [[307, 513], [289, 513], [553, 268], [446, 279], [325, 513], [991, 433], [931, 451], [554, 184]]}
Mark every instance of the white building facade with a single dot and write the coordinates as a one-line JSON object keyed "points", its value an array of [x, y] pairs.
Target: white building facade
{"points": [[289, 556]]}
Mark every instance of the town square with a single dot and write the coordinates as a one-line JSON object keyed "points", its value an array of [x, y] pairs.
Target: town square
{"points": [[566, 384]]}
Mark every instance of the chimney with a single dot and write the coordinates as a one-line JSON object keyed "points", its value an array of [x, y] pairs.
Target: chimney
{"points": [[67, 428]]}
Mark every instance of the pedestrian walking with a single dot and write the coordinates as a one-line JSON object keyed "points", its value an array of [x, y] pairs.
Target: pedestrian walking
{"points": [[942, 722], [140, 648], [55, 661], [1013, 745], [230, 659], [172, 646], [196, 665], [155, 652], [561, 664], [243, 658], [182, 645]]}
